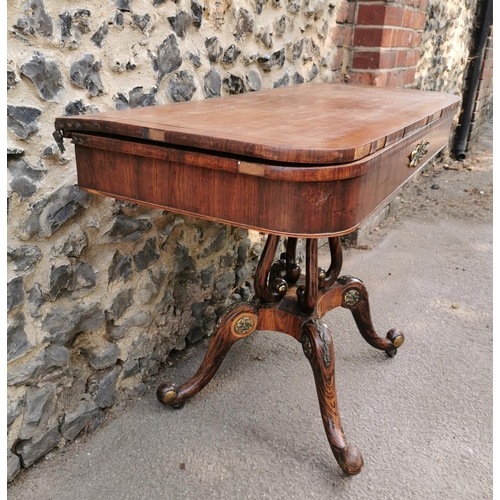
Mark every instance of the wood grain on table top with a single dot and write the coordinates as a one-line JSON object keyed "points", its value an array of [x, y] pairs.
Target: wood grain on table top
{"points": [[314, 123]]}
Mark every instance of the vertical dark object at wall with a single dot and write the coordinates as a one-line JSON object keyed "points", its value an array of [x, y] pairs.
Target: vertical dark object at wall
{"points": [[476, 61]]}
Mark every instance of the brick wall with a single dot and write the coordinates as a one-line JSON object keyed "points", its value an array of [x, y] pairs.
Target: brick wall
{"points": [[386, 42]]}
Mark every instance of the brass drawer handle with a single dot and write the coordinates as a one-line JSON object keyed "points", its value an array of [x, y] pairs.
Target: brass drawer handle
{"points": [[418, 153]]}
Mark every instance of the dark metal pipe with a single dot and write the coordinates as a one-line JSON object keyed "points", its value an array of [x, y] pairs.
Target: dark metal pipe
{"points": [[476, 63]]}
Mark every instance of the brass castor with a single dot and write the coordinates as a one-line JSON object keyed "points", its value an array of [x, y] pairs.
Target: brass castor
{"points": [[167, 394], [397, 339]]}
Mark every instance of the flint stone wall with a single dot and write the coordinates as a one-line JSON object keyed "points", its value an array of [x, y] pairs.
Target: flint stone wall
{"points": [[446, 42], [100, 291]]}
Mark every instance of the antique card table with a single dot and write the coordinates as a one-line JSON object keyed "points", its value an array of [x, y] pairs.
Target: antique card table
{"points": [[308, 161]]}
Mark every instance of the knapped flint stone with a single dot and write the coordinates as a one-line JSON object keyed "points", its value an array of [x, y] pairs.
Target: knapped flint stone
{"points": [[293, 6], [74, 243], [59, 208], [51, 150], [313, 72], [77, 108], [197, 13], [36, 299], [13, 78], [101, 356], [183, 261], [76, 420], [130, 368], [169, 223], [65, 21], [15, 292], [17, 341], [195, 59], [13, 466], [118, 18], [198, 308], [27, 371], [120, 268], [12, 151], [136, 98], [99, 37], [213, 84], [231, 54], [63, 324], [310, 50], [244, 24], [181, 87], [276, 4], [323, 31], [298, 78], [124, 5], [147, 256], [274, 60], [37, 21], [82, 281], [297, 49], [101, 386], [30, 371], [280, 25], [282, 82], [24, 177], [150, 285], [224, 285], [56, 356], [168, 58], [31, 450], [254, 82], [214, 49], [158, 2], [215, 243], [195, 334], [243, 252], [59, 280], [81, 20], [120, 304], [84, 73], [234, 85], [267, 38], [13, 410], [140, 320], [314, 8], [208, 276], [259, 4], [23, 120], [36, 415], [180, 23], [126, 228], [45, 75], [142, 21]]}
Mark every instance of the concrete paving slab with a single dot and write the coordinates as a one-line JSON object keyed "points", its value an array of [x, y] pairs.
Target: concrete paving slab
{"points": [[423, 420]]}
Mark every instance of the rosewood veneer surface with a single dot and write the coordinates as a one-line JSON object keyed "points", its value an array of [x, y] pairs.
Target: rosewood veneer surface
{"points": [[327, 154]]}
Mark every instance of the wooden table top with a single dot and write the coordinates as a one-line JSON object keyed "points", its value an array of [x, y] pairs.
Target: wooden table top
{"points": [[314, 123]]}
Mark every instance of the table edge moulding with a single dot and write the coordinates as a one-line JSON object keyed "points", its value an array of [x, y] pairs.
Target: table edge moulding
{"points": [[309, 161]]}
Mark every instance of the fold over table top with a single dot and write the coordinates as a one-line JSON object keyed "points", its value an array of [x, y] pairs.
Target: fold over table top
{"points": [[312, 124]]}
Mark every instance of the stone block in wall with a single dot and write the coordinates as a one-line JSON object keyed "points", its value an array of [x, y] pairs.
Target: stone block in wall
{"points": [[33, 449]]}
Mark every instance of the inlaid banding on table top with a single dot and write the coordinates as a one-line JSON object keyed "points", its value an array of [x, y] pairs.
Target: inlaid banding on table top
{"points": [[304, 124]]}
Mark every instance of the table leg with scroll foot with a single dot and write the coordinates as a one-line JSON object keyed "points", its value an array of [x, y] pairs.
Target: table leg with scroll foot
{"points": [[355, 298], [318, 347], [238, 321]]}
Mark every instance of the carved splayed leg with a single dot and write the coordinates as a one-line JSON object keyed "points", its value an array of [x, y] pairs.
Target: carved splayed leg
{"points": [[318, 348], [237, 322], [355, 298]]}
